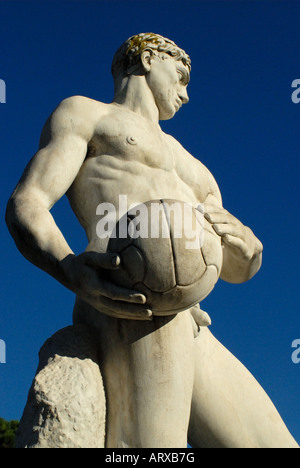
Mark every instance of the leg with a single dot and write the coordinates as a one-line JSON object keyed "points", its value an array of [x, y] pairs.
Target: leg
{"points": [[229, 408], [148, 373], [66, 403]]}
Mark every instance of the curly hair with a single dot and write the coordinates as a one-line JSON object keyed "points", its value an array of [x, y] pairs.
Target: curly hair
{"points": [[127, 57]]}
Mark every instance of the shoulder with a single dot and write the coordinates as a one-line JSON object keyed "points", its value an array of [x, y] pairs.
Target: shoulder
{"points": [[77, 115], [76, 103], [81, 108]]}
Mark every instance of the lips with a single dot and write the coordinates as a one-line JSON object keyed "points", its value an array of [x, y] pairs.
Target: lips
{"points": [[178, 103]]}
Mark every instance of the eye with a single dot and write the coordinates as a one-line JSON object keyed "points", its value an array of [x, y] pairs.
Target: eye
{"points": [[183, 77]]}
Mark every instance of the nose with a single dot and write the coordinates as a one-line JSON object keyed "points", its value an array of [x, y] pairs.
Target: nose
{"points": [[183, 94]]}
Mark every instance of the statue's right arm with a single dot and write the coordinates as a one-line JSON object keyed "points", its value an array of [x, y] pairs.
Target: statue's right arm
{"points": [[46, 179]]}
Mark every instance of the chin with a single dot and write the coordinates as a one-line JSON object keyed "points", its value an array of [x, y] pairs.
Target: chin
{"points": [[167, 115]]}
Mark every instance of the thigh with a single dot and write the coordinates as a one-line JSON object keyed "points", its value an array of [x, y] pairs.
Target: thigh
{"points": [[66, 402], [148, 374], [229, 408]]}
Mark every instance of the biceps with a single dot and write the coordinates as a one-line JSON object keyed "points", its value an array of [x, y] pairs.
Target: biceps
{"points": [[53, 169]]}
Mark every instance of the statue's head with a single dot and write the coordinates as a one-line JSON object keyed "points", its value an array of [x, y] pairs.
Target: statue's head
{"points": [[127, 59], [164, 66]]}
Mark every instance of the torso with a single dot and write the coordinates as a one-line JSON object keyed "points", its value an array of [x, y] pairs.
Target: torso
{"points": [[129, 155], [148, 360]]}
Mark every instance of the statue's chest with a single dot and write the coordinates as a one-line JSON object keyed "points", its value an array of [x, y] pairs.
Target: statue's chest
{"points": [[132, 140]]}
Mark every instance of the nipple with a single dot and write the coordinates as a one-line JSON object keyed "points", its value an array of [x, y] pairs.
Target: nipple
{"points": [[131, 140]]}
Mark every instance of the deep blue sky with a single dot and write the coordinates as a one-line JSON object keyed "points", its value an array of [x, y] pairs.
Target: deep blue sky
{"points": [[240, 122]]}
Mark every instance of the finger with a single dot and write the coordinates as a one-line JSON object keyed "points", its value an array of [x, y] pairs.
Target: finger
{"points": [[231, 229], [233, 241], [116, 293], [110, 261], [95, 285], [200, 208], [221, 217], [124, 315], [118, 309]]}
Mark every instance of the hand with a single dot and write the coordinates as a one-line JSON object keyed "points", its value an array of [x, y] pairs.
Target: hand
{"points": [[241, 249], [239, 238], [85, 275]]}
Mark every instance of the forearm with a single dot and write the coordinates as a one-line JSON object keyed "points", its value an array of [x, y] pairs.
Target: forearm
{"points": [[39, 239], [237, 269], [37, 236], [242, 250]]}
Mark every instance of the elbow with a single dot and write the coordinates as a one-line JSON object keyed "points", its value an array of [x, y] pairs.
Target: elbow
{"points": [[17, 223], [16, 206], [238, 273], [11, 215]]}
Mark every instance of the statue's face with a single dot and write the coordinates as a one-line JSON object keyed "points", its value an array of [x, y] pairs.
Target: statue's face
{"points": [[168, 80]]}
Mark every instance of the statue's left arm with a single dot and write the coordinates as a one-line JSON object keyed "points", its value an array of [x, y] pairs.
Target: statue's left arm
{"points": [[242, 250]]}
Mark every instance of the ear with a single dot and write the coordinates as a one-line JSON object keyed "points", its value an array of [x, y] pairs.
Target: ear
{"points": [[146, 59]]}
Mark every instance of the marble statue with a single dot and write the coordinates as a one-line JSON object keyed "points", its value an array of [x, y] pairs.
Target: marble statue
{"points": [[121, 376]]}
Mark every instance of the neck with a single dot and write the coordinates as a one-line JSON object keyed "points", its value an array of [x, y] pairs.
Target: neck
{"points": [[133, 92]]}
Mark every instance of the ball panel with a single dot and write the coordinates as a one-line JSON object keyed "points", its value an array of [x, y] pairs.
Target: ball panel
{"points": [[180, 298], [160, 274], [158, 252], [212, 247], [185, 228], [119, 239], [189, 263], [132, 269]]}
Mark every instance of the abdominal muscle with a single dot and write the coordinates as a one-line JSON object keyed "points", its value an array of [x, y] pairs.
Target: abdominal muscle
{"points": [[122, 184]]}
